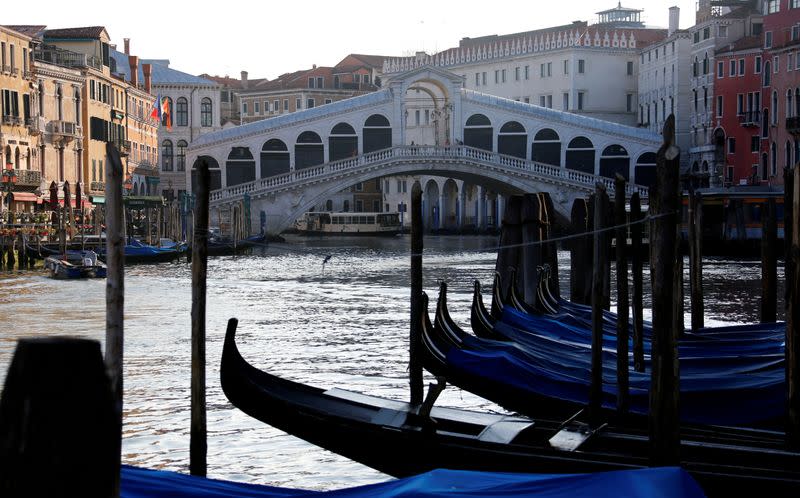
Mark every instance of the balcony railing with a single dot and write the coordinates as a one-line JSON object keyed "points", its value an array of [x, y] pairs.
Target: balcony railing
{"points": [[6, 68], [66, 58], [36, 125], [123, 146], [98, 186], [793, 125], [750, 118], [27, 74], [64, 130], [28, 178], [11, 120]]}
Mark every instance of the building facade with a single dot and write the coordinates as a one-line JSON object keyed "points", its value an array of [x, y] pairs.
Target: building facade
{"points": [[664, 72], [194, 108], [19, 131]]}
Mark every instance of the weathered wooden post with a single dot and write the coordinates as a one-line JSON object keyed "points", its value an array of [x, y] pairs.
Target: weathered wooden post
{"points": [[792, 235], [664, 416], [115, 292], [638, 293], [23, 255], [622, 295], [509, 245], [696, 258], [11, 260], [769, 262], [579, 266], [531, 253], [415, 343], [598, 282], [198, 445], [550, 249]]}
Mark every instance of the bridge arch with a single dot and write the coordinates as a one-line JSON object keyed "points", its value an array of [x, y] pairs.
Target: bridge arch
{"points": [[274, 158], [512, 140], [546, 147], [376, 134], [214, 171], [342, 142], [478, 132], [450, 205], [580, 155], [645, 172], [615, 160], [308, 150], [240, 166]]}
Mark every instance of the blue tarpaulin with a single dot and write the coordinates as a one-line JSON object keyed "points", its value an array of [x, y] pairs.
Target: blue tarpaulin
{"points": [[666, 482]]}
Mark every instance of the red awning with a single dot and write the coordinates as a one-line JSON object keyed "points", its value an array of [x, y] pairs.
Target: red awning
{"points": [[84, 202], [24, 196]]}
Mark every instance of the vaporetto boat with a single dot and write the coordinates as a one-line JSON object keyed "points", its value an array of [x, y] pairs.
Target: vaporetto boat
{"points": [[347, 223]]}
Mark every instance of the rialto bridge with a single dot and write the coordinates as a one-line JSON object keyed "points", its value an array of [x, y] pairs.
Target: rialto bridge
{"points": [[474, 148]]}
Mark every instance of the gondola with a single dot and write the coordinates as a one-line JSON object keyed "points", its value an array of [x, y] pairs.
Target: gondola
{"points": [[720, 383], [399, 439], [225, 246]]}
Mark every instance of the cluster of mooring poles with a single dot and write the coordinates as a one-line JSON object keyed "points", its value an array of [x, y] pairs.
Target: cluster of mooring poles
{"points": [[525, 245]]}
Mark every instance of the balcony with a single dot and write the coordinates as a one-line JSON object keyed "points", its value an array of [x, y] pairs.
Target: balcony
{"points": [[28, 178], [793, 125], [98, 186], [11, 120], [65, 58], [64, 131], [750, 119], [6, 68], [28, 75], [123, 146], [36, 125]]}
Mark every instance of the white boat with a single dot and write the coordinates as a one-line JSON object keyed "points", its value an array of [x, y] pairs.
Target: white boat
{"points": [[328, 223]]}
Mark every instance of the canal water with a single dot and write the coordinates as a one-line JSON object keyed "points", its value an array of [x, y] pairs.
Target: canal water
{"points": [[340, 324]]}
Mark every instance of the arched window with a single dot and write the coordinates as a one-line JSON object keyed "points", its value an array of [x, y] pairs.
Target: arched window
{"points": [[308, 150], [546, 147], [705, 64], [377, 133], [77, 99], [182, 145], [765, 124], [580, 155], [240, 167], [166, 155], [213, 170], [274, 158], [60, 102], [329, 205], [166, 118], [645, 173], [478, 132], [512, 140], [775, 107], [41, 98], [346, 206], [342, 142], [789, 106], [615, 160], [206, 112], [182, 112], [767, 74], [788, 162], [774, 163]]}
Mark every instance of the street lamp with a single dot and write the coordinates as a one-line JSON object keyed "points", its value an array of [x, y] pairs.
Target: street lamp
{"points": [[8, 180]]}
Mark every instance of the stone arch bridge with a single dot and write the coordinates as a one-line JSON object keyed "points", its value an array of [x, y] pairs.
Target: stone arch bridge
{"points": [[421, 123]]}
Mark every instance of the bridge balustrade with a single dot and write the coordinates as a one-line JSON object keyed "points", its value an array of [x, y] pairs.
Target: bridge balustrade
{"points": [[424, 152]]}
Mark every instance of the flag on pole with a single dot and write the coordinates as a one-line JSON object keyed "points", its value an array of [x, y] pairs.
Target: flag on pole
{"points": [[155, 113], [166, 113]]}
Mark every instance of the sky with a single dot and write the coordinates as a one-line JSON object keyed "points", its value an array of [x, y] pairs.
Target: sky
{"points": [[270, 38]]}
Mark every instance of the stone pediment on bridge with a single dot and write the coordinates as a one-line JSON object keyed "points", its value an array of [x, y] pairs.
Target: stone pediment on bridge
{"points": [[425, 72]]}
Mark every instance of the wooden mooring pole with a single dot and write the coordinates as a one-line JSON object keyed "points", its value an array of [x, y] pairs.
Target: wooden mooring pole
{"points": [[550, 249], [598, 280], [531, 253], [636, 267], [664, 425], [508, 254], [198, 445], [622, 295], [115, 291], [792, 234], [769, 262], [579, 252], [415, 342], [696, 259]]}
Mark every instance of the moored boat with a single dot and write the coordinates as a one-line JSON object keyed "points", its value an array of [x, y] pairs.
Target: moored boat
{"points": [[75, 264], [330, 223]]}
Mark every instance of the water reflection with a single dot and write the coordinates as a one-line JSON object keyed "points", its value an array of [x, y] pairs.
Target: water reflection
{"points": [[342, 325]]}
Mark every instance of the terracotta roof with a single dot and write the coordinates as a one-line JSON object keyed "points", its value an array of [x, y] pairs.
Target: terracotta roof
{"points": [[744, 43], [741, 13], [296, 79], [370, 60], [229, 82], [84, 32], [31, 30]]}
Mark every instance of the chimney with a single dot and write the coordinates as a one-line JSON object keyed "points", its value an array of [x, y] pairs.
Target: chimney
{"points": [[127, 46], [147, 70], [674, 18], [244, 79], [134, 63]]}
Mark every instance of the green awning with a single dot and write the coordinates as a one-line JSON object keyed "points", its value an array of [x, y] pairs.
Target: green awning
{"points": [[97, 199], [143, 200]]}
